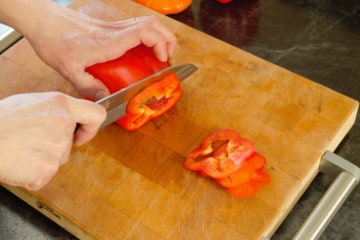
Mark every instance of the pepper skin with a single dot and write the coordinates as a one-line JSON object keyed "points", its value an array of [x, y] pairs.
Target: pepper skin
{"points": [[134, 65], [231, 160], [220, 154], [152, 102], [246, 180]]}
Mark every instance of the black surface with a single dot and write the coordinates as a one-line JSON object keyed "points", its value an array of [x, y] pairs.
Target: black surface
{"points": [[316, 39]]}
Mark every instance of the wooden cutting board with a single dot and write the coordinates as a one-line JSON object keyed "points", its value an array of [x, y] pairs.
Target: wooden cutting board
{"points": [[132, 185]]}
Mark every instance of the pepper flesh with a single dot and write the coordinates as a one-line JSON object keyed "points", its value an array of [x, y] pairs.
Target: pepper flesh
{"points": [[245, 181], [153, 101], [240, 170], [220, 154], [134, 65]]}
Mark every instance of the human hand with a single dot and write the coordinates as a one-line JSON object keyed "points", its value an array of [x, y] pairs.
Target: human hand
{"points": [[37, 133], [70, 41]]}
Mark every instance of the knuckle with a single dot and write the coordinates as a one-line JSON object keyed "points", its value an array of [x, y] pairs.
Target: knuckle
{"points": [[46, 172], [57, 98], [51, 168]]}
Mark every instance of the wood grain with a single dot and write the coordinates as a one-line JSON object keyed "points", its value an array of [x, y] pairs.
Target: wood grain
{"points": [[132, 185]]}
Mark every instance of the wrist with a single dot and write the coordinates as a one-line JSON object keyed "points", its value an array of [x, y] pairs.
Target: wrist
{"points": [[26, 16]]}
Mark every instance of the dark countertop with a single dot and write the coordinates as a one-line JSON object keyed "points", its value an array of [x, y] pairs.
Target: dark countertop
{"points": [[316, 39]]}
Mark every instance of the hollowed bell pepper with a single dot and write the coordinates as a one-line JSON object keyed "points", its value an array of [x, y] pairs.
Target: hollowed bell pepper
{"points": [[134, 65], [152, 102], [220, 154]]}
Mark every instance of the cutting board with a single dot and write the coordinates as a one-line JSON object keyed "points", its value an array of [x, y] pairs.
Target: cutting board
{"points": [[132, 185]]}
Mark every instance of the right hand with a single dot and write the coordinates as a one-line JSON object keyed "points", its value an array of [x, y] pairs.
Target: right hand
{"points": [[37, 134]]}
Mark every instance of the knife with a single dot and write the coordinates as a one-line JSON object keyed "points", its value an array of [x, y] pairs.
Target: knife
{"points": [[116, 103]]}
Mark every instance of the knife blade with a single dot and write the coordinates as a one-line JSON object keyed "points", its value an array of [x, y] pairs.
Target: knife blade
{"points": [[116, 103]]}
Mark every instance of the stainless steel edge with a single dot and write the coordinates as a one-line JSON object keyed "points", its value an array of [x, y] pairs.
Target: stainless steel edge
{"points": [[116, 103], [114, 114], [8, 37], [347, 178]]}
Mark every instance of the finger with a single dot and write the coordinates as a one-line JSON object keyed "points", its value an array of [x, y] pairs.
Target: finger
{"points": [[168, 35], [66, 155], [160, 51], [32, 187], [148, 37], [161, 28], [48, 171], [87, 85], [148, 31], [164, 39], [170, 49], [90, 116]]}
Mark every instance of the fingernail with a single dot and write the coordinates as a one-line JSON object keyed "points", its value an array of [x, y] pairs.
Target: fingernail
{"points": [[163, 57], [101, 94]]}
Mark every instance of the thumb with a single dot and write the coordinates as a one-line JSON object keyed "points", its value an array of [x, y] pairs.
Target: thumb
{"points": [[89, 87], [90, 116]]}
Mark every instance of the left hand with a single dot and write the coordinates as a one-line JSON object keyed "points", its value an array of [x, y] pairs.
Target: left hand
{"points": [[70, 41]]}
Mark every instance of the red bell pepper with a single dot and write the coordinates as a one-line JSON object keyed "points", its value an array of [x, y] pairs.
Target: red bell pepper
{"points": [[246, 180], [152, 102], [231, 160], [220, 154], [224, 1], [134, 65]]}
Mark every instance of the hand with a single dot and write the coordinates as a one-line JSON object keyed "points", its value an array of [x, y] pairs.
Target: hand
{"points": [[70, 41], [37, 133]]}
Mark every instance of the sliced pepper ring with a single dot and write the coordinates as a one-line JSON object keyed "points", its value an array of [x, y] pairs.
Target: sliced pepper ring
{"points": [[251, 173], [220, 154], [244, 190], [151, 102]]}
